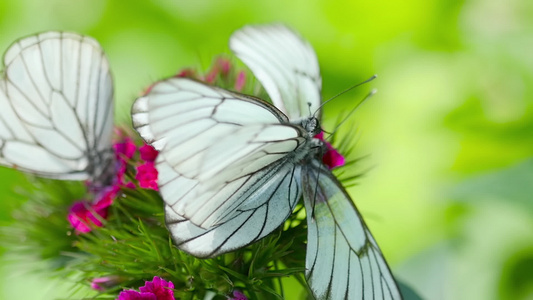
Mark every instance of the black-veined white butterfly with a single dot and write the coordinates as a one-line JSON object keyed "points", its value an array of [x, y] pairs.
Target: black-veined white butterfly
{"points": [[56, 107], [232, 167]]}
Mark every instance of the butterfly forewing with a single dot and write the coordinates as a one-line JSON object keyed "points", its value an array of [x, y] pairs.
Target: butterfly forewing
{"points": [[228, 140], [285, 64], [56, 107]]}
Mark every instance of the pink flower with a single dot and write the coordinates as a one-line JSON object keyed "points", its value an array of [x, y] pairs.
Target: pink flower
{"points": [[157, 289], [238, 296], [224, 65], [221, 67], [332, 158], [134, 295], [125, 150], [103, 283], [189, 73], [147, 176], [83, 216], [105, 198], [241, 80], [148, 153]]}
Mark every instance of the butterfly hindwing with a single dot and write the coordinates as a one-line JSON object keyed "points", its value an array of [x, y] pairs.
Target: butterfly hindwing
{"points": [[56, 103], [249, 223], [343, 260]]}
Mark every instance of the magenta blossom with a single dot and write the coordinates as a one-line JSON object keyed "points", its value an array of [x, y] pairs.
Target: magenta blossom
{"points": [[125, 150], [190, 73], [148, 153], [237, 295], [147, 176], [134, 295], [147, 173], [221, 67], [241, 80], [84, 215], [103, 283], [332, 158], [157, 289]]}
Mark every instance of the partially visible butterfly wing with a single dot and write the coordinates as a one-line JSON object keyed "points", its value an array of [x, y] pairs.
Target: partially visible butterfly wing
{"points": [[249, 223], [217, 139], [56, 107], [285, 64], [343, 260]]}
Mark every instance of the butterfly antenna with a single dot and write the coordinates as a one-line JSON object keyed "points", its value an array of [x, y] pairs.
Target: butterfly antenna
{"points": [[372, 92], [345, 91]]}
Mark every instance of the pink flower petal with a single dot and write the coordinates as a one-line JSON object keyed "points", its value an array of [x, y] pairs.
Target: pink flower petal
{"points": [[102, 283], [105, 198], [82, 216], [148, 153], [134, 295], [159, 287], [224, 65], [125, 149], [332, 158], [147, 176], [190, 73], [237, 295], [241, 80]]}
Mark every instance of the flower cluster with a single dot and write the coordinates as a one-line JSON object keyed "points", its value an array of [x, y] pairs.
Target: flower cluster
{"points": [[157, 289], [146, 172], [84, 215], [221, 74]]}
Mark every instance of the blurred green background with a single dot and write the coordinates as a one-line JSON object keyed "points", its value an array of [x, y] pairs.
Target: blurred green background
{"points": [[449, 135]]}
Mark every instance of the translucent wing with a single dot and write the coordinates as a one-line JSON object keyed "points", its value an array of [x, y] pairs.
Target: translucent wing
{"points": [[285, 64], [343, 260], [56, 108], [219, 141], [248, 224]]}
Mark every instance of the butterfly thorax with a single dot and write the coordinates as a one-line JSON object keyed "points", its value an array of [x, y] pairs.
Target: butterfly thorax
{"points": [[315, 148]]}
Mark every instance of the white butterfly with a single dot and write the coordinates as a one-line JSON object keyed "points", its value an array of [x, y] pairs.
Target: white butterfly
{"points": [[232, 167], [56, 107]]}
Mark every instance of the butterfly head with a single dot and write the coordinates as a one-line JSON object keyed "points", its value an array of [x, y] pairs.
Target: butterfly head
{"points": [[311, 125]]}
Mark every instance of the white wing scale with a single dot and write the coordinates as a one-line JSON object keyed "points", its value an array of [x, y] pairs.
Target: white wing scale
{"points": [[56, 107]]}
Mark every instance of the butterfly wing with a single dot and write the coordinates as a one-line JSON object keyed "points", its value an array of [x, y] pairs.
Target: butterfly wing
{"points": [[343, 260], [248, 224], [219, 151], [56, 107], [285, 64]]}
